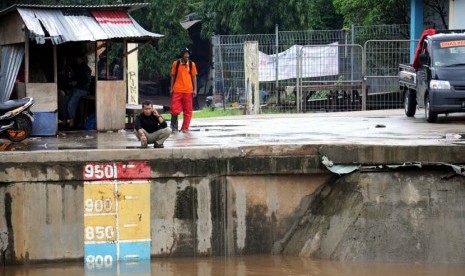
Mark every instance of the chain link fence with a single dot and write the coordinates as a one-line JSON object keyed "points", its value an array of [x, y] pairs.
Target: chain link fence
{"points": [[282, 89]]}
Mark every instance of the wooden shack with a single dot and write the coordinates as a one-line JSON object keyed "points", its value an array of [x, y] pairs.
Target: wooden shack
{"points": [[38, 41]]}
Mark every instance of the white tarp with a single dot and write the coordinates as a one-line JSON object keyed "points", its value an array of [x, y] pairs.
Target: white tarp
{"points": [[12, 57], [317, 61]]}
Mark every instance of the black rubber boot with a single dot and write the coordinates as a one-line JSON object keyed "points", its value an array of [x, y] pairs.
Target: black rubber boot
{"points": [[174, 123]]}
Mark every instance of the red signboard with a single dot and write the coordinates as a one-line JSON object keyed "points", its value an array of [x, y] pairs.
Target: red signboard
{"points": [[116, 170]]}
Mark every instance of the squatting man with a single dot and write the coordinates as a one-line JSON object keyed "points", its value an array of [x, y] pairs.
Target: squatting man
{"points": [[151, 128]]}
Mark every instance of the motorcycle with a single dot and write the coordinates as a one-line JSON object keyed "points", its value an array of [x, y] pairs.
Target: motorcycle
{"points": [[16, 119]]}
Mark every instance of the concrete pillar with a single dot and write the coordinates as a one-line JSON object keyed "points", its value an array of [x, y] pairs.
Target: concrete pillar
{"points": [[416, 24], [456, 9], [451, 14]]}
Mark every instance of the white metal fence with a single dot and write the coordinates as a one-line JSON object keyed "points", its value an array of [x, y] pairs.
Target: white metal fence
{"points": [[329, 78], [381, 60], [304, 79]]}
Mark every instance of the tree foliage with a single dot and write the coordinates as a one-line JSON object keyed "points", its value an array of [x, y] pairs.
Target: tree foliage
{"points": [[368, 12], [162, 17], [438, 8], [258, 16]]}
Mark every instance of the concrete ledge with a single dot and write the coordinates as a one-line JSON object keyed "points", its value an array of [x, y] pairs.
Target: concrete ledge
{"points": [[345, 154], [219, 161], [387, 154]]}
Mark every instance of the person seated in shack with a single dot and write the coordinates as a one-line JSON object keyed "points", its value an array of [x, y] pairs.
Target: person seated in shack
{"points": [[151, 128], [80, 84]]}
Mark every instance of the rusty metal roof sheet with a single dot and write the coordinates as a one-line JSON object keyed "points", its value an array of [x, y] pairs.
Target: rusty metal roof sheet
{"points": [[82, 23]]}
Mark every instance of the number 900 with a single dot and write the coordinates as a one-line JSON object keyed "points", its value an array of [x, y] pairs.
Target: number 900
{"points": [[98, 205]]}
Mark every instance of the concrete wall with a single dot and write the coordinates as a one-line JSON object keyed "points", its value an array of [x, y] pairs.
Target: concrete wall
{"points": [[199, 206], [248, 200], [41, 221], [197, 216], [261, 210], [409, 216]]}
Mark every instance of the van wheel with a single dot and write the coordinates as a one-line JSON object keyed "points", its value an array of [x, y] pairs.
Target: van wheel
{"points": [[431, 116], [410, 103]]}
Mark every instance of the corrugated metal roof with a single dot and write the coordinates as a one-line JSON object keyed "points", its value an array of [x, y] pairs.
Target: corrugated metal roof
{"points": [[82, 24], [128, 7]]}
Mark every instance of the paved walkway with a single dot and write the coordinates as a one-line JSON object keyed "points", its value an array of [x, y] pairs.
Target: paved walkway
{"points": [[389, 127]]}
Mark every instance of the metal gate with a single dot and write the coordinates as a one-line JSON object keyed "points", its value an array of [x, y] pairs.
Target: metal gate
{"points": [[276, 95], [330, 78], [382, 59]]}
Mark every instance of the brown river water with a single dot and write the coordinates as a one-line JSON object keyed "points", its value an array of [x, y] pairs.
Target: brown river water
{"points": [[236, 266]]}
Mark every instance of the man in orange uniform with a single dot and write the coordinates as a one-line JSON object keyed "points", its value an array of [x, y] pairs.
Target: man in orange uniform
{"points": [[183, 88]]}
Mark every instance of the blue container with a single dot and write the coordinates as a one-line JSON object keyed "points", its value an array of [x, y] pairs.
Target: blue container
{"points": [[45, 124]]}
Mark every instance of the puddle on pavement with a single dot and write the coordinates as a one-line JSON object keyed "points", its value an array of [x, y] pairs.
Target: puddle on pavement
{"points": [[11, 146], [214, 126], [240, 266], [236, 135], [454, 136], [77, 147], [210, 129]]}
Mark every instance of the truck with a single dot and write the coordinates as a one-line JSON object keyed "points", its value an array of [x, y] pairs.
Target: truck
{"points": [[435, 80]]}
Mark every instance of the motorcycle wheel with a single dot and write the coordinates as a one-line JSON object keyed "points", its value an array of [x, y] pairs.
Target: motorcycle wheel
{"points": [[21, 128]]}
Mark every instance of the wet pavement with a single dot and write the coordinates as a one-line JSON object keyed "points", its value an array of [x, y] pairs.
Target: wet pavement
{"points": [[237, 266], [388, 127]]}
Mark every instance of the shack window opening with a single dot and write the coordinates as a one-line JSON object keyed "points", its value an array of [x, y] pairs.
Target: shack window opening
{"points": [[41, 63], [110, 60]]}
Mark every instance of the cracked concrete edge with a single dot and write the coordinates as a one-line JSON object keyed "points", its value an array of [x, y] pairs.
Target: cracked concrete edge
{"points": [[192, 153], [385, 154], [339, 154]]}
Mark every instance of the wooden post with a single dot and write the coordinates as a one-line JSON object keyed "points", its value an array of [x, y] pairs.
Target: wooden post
{"points": [[26, 57], [251, 77], [125, 59], [55, 65], [96, 84]]}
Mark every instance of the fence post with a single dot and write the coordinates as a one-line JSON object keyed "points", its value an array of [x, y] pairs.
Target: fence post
{"points": [[277, 61], [352, 41], [297, 92], [213, 67], [218, 65], [251, 85], [364, 77]]}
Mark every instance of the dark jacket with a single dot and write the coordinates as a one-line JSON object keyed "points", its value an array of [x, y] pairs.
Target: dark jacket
{"points": [[149, 123], [82, 75]]}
